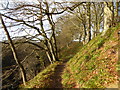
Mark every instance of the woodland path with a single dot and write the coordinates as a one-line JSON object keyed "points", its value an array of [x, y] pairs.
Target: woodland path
{"points": [[57, 77]]}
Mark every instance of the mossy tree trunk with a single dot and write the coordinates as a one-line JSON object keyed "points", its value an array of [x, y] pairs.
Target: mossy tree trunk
{"points": [[89, 21]]}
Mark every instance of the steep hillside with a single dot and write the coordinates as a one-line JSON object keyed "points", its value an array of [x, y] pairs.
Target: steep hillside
{"points": [[28, 55], [94, 66], [50, 77]]}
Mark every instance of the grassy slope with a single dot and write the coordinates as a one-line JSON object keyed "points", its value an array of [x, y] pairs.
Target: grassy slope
{"points": [[94, 66], [44, 78]]}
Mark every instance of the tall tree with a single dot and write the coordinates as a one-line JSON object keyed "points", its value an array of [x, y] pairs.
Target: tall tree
{"points": [[89, 21], [108, 15], [23, 74], [97, 17], [28, 16], [117, 10]]}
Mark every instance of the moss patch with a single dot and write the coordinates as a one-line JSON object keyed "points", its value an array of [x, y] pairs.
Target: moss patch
{"points": [[94, 66]]}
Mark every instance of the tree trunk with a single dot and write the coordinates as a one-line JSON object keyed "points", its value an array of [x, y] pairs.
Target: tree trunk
{"points": [[89, 22], [53, 37], [98, 28], [108, 16], [48, 53], [51, 47], [80, 37], [49, 57], [85, 34], [55, 47], [117, 19], [113, 14], [52, 51], [52, 43], [117, 6], [23, 74]]}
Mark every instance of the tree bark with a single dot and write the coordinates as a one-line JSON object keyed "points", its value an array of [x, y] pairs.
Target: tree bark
{"points": [[52, 51], [23, 74], [113, 13], [80, 37], [117, 19], [48, 53], [52, 43], [84, 35], [108, 16], [117, 6], [49, 57], [89, 22], [47, 42]]}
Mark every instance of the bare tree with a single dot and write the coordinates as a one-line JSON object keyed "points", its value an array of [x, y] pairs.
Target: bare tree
{"points": [[14, 52], [97, 17], [32, 19]]}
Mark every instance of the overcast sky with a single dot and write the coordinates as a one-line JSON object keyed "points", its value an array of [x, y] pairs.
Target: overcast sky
{"points": [[4, 2]]}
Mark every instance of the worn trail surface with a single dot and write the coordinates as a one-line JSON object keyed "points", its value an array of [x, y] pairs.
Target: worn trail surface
{"points": [[56, 78]]}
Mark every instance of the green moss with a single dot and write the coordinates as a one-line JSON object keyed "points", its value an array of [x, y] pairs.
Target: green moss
{"points": [[100, 43], [42, 79], [85, 62], [84, 69], [87, 57]]}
